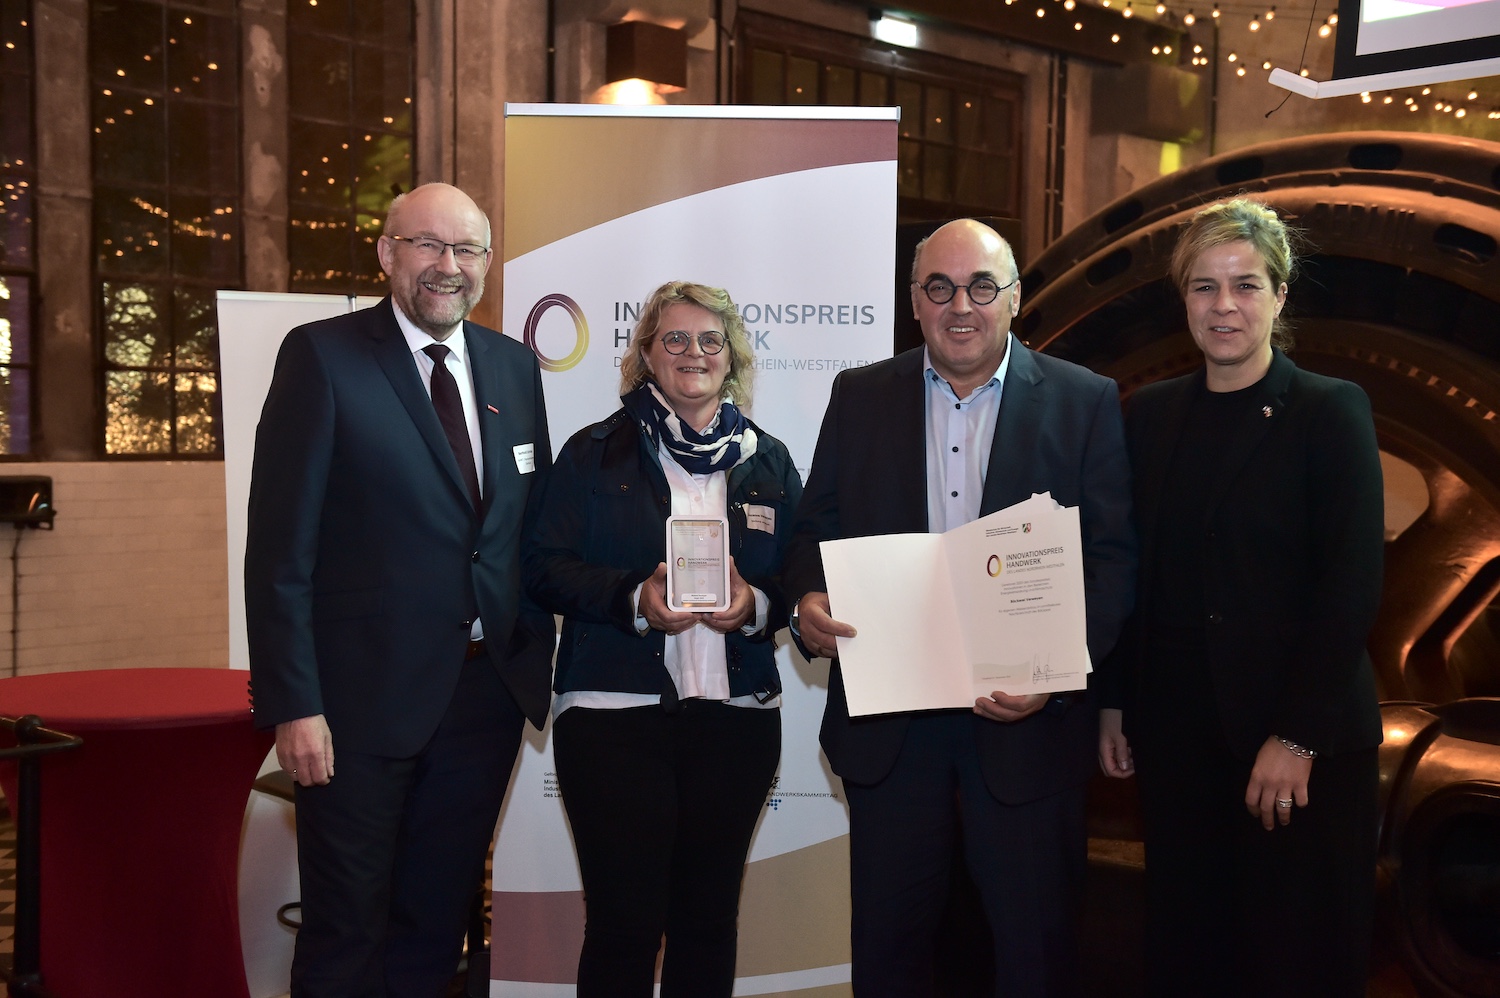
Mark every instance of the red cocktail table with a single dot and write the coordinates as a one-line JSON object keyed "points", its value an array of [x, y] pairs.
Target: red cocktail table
{"points": [[141, 828]]}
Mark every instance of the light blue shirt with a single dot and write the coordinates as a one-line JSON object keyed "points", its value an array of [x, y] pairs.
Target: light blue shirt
{"points": [[960, 433]]}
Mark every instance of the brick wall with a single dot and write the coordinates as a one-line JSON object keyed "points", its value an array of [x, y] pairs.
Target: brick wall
{"points": [[134, 575]]}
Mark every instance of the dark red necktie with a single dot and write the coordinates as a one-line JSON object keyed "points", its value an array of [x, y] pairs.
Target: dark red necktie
{"points": [[450, 412]]}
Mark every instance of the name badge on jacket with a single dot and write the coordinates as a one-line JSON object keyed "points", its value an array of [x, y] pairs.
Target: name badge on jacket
{"points": [[525, 458], [760, 517]]}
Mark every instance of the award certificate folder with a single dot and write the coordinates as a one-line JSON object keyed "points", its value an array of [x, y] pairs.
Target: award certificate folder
{"points": [[944, 619]]}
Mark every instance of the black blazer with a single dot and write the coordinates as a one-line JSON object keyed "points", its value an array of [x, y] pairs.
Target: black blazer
{"points": [[1059, 430], [1294, 549], [365, 562], [602, 532]]}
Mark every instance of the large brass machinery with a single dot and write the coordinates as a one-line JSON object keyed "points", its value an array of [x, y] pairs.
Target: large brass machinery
{"points": [[1401, 294]]}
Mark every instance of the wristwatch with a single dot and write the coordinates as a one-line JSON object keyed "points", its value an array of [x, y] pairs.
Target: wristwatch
{"points": [[795, 621]]}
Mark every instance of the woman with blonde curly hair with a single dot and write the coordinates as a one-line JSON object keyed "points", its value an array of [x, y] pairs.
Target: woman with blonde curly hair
{"points": [[666, 724], [1242, 692]]}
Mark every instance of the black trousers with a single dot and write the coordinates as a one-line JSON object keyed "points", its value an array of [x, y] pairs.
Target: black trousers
{"points": [[662, 808], [1027, 860], [1235, 910], [392, 851]]}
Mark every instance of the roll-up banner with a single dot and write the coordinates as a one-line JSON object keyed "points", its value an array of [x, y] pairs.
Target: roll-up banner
{"points": [[793, 211], [252, 325]]}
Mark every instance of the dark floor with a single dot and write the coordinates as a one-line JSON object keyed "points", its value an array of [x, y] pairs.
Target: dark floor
{"points": [[1111, 961]]}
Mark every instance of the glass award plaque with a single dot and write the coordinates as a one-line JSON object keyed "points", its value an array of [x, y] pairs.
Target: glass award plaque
{"points": [[697, 563]]}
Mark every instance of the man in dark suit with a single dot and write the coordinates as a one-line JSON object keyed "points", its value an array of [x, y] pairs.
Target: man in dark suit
{"points": [[927, 441], [394, 465]]}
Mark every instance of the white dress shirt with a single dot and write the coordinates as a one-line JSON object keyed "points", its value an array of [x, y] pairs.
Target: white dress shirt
{"points": [[457, 362]]}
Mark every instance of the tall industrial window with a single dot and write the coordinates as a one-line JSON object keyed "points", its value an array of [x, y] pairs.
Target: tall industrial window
{"points": [[17, 226], [165, 80], [959, 151], [350, 84]]}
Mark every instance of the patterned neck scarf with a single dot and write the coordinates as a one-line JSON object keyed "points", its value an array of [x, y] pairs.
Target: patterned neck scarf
{"points": [[724, 443]]}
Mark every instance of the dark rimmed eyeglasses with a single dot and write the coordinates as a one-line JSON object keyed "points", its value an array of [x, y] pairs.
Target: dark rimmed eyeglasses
{"points": [[432, 249], [676, 341], [940, 291]]}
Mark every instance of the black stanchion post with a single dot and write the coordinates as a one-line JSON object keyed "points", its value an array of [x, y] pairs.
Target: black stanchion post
{"points": [[34, 741], [26, 971]]}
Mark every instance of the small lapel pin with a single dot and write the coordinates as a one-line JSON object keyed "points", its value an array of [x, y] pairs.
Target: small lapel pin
{"points": [[1266, 411], [497, 411]]}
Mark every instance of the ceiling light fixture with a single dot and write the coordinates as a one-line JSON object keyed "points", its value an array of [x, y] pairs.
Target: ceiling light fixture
{"points": [[895, 31]]}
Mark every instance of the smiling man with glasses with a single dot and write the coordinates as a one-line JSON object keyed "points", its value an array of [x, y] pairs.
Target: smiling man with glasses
{"points": [[927, 441], [435, 284], [394, 469]]}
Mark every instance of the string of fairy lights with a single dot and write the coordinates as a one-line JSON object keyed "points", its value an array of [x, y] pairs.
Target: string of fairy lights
{"points": [[1312, 32]]}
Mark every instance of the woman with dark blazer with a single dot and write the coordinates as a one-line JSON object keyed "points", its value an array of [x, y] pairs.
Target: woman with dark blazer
{"points": [[1242, 692], [666, 726]]}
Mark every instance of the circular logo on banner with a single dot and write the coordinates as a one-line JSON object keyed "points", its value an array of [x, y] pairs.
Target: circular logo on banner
{"points": [[993, 566], [580, 326]]}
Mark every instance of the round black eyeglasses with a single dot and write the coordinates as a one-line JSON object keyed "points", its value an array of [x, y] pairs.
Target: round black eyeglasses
{"points": [[981, 292]]}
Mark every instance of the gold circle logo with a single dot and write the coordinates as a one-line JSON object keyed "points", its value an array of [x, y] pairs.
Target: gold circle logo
{"points": [[580, 327]]}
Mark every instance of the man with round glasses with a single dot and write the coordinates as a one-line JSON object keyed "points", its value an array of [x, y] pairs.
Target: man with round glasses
{"points": [[394, 470], [927, 441]]}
